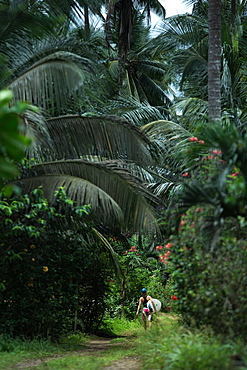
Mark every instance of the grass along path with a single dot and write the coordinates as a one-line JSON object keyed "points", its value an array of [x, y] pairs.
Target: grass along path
{"points": [[166, 345], [88, 353]]}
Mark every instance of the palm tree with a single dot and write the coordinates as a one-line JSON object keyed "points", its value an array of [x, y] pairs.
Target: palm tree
{"points": [[117, 177], [88, 159], [185, 41], [214, 60], [120, 17], [145, 92]]}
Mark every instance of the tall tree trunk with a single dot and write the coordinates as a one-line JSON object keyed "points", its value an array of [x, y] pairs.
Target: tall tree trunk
{"points": [[123, 292], [233, 12], [125, 33], [214, 60], [86, 20]]}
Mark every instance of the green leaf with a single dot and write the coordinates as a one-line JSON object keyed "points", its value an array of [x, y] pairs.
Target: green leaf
{"points": [[7, 169]]}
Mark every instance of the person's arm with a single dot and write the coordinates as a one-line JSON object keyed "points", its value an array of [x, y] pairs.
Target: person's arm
{"points": [[139, 306]]}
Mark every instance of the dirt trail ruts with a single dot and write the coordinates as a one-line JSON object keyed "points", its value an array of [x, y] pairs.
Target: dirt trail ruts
{"points": [[92, 348], [99, 345]]}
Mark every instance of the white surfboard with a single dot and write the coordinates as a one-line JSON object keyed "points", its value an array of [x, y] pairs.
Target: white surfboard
{"points": [[157, 304]]}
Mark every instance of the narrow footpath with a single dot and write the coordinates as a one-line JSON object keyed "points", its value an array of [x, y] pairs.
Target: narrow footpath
{"points": [[92, 348]]}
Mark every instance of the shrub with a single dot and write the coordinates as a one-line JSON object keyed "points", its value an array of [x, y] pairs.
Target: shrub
{"points": [[51, 274], [211, 286]]}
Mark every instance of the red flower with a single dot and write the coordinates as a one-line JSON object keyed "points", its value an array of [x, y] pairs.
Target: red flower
{"points": [[186, 174], [174, 298], [169, 245], [158, 247], [168, 308], [193, 138], [235, 174], [201, 142], [217, 151]]}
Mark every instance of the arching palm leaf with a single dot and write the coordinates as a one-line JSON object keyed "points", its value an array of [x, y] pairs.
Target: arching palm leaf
{"points": [[135, 201], [133, 110], [104, 136], [191, 111], [81, 191], [167, 135], [49, 82], [112, 254]]}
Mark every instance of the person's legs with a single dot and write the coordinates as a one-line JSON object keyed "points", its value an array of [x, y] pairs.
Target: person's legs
{"points": [[145, 323], [150, 321], [144, 317]]}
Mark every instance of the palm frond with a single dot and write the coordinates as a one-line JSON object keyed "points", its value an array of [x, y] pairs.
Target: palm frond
{"points": [[17, 21], [130, 108], [168, 132], [172, 140], [81, 191], [153, 69], [191, 111], [154, 6], [34, 126], [49, 82], [112, 254], [105, 136], [179, 32], [164, 189], [154, 92], [114, 178]]}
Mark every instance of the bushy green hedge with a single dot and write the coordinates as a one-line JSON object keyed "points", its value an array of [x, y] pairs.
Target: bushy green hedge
{"points": [[52, 278], [211, 285]]}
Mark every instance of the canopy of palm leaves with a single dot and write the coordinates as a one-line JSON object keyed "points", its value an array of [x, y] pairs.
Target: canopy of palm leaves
{"points": [[104, 161], [185, 39]]}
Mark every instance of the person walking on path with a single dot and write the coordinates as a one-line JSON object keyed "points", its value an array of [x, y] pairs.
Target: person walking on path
{"points": [[148, 308]]}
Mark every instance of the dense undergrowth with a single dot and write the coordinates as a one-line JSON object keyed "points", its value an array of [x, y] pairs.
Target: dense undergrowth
{"points": [[176, 348]]}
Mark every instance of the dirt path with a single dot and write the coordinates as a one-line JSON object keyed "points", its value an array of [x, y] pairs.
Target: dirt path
{"points": [[92, 348], [99, 345], [130, 363]]}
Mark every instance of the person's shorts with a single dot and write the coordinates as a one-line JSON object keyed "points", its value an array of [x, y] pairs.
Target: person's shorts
{"points": [[147, 314]]}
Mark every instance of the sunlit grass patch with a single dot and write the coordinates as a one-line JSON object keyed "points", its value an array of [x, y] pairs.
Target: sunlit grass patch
{"points": [[119, 326]]}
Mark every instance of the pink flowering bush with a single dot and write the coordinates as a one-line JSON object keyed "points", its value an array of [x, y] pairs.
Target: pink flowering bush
{"points": [[165, 252]]}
